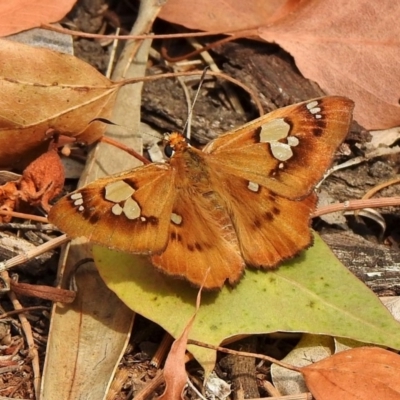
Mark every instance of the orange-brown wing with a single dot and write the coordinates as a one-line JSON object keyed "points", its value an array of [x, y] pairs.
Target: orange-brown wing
{"points": [[201, 237], [270, 228], [287, 150], [129, 212]]}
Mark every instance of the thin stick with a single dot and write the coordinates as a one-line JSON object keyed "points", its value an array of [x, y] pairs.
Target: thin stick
{"points": [[357, 204], [28, 255], [189, 118]]}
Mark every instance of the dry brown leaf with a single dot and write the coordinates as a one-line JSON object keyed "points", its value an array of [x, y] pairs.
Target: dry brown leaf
{"points": [[45, 91], [20, 15], [367, 373], [217, 15], [349, 47]]}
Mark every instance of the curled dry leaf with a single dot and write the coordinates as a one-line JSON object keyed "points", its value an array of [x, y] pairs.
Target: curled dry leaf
{"points": [[42, 91], [9, 196], [40, 182], [367, 373], [220, 15]]}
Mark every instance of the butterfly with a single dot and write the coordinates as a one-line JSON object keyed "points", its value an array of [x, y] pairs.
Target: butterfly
{"points": [[245, 199]]}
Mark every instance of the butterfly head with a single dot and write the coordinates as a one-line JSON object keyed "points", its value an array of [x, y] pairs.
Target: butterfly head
{"points": [[174, 142]]}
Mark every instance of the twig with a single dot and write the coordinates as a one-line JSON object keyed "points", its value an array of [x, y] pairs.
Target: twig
{"points": [[28, 255], [351, 205]]}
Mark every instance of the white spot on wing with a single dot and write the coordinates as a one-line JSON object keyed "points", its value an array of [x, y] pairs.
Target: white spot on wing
{"points": [[76, 196], [118, 191], [312, 104], [116, 209], [274, 130], [312, 107], [293, 141], [131, 209], [253, 186], [78, 202], [176, 219], [281, 151]]}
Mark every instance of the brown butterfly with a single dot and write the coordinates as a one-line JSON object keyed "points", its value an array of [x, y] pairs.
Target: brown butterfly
{"points": [[245, 199]]}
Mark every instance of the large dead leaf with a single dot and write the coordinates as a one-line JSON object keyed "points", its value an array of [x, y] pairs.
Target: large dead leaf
{"points": [[44, 91], [20, 15], [349, 47], [367, 373]]}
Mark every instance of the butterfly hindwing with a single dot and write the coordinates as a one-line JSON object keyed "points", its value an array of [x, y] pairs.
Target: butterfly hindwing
{"points": [[201, 237], [273, 228], [128, 212], [287, 150]]}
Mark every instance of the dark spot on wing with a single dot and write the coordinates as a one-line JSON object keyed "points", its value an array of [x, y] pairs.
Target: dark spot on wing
{"points": [[257, 223], [273, 173], [198, 246], [176, 236], [317, 131], [321, 122], [190, 247], [151, 220], [91, 217], [320, 126], [276, 211], [271, 196], [268, 216], [256, 135]]}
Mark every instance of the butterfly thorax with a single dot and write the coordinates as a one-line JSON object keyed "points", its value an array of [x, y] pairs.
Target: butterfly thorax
{"points": [[189, 163]]}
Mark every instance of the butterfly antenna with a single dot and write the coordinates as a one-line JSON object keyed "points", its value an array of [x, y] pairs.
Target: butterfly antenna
{"points": [[188, 122]]}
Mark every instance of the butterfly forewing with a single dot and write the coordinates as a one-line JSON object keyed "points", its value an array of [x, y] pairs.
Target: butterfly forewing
{"points": [[287, 150], [128, 212]]}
